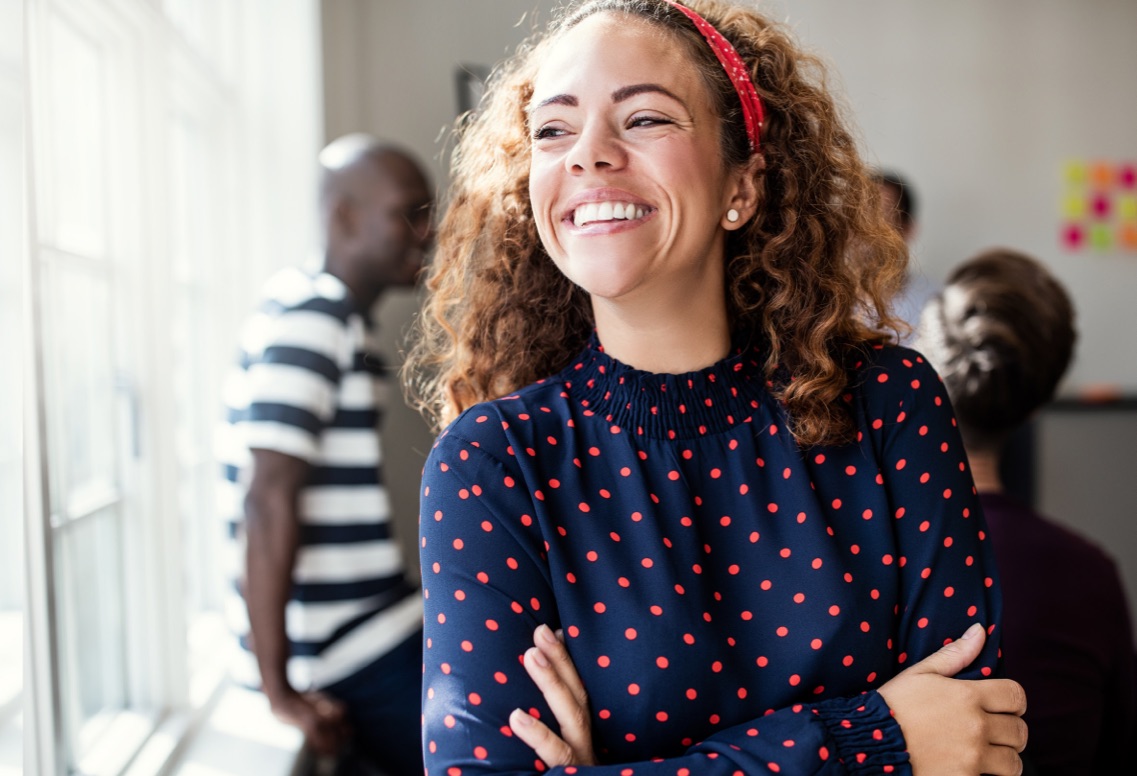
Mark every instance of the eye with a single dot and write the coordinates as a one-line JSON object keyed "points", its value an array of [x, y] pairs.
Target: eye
{"points": [[545, 132], [647, 121]]}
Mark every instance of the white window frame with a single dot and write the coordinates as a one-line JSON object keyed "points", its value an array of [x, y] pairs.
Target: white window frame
{"points": [[231, 83]]}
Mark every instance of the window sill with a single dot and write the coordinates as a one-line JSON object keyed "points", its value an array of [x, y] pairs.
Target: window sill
{"points": [[236, 735]]}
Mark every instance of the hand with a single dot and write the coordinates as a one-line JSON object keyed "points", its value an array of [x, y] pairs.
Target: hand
{"points": [[551, 668], [956, 726], [321, 718]]}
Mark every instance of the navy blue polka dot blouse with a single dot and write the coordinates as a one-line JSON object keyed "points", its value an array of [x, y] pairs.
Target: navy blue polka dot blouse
{"points": [[729, 599]]}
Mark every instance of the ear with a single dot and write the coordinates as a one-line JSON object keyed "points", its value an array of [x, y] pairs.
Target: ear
{"points": [[344, 220], [742, 193]]}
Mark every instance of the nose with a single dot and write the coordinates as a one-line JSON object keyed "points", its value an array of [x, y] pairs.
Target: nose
{"points": [[597, 147]]}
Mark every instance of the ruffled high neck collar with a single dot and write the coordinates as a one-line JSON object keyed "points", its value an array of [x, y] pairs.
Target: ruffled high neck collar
{"points": [[669, 406]]}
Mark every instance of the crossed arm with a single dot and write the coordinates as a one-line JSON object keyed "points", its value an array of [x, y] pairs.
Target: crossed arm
{"points": [[950, 726]]}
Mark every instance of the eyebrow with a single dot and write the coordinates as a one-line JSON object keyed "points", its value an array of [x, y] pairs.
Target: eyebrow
{"points": [[621, 94]]}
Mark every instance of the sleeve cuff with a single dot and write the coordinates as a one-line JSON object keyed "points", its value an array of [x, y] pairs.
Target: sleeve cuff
{"points": [[281, 438], [866, 736]]}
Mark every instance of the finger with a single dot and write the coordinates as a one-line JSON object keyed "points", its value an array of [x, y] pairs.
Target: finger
{"points": [[554, 650], [326, 706], [537, 736], [952, 658], [1007, 730], [571, 714], [1002, 696], [1001, 761], [332, 712]]}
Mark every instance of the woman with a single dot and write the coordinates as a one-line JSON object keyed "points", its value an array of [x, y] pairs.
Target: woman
{"points": [[1002, 334], [745, 513]]}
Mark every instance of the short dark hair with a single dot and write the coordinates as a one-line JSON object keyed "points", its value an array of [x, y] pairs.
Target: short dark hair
{"points": [[905, 194], [1001, 334]]}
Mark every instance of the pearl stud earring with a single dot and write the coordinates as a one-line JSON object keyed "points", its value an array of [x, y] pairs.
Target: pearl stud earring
{"points": [[732, 216]]}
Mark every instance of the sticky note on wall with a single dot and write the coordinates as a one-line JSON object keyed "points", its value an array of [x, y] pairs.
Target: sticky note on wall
{"points": [[1098, 207]]}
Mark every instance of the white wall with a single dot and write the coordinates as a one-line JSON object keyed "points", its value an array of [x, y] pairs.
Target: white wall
{"points": [[979, 102]]}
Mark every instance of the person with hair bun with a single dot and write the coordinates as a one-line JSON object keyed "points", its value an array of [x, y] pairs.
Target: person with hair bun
{"points": [[1002, 334], [675, 432]]}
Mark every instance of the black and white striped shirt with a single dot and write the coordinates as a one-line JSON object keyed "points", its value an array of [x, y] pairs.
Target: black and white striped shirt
{"points": [[310, 384]]}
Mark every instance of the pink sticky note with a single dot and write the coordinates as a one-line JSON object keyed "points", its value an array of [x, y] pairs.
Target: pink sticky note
{"points": [[1073, 236], [1100, 205], [1127, 176]]}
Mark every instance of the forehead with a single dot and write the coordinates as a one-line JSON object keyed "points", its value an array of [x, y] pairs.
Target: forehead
{"points": [[608, 50]]}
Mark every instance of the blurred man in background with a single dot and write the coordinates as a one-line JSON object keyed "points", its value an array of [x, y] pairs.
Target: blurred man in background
{"points": [[898, 201], [333, 629]]}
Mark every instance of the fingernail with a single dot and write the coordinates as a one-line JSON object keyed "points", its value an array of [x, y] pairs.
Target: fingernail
{"points": [[539, 657], [546, 634], [521, 718], [973, 631]]}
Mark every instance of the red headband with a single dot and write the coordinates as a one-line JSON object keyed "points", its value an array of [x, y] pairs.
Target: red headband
{"points": [[752, 112]]}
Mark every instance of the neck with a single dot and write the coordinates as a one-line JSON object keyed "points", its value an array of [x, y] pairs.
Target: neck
{"points": [[985, 470], [666, 336]]}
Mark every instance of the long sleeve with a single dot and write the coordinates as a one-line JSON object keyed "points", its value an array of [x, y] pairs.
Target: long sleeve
{"points": [[946, 563], [488, 584]]}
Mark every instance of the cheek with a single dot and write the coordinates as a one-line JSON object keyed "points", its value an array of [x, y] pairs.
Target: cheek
{"points": [[540, 185], [542, 189]]}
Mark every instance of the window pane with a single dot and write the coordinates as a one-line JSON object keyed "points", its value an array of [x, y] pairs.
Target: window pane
{"points": [[198, 249], [91, 624], [12, 217], [81, 386], [76, 187]]}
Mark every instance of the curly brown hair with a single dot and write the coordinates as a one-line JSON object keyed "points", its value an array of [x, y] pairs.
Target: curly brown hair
{"points": [[811, 276]]}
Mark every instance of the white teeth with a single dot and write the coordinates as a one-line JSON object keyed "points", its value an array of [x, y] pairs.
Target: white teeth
{"points": [[606, 211]]}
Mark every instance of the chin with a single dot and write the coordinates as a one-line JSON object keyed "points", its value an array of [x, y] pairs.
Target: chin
{"points": [[603, 277]]}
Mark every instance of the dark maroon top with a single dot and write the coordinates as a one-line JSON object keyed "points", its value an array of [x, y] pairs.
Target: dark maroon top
{"points": [[1067, 640]]}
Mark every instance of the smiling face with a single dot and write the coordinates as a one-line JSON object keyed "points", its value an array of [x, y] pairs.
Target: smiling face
{"points": [[627, 183]]}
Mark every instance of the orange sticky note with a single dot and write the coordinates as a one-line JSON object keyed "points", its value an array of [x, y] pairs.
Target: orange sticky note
{"points": [[1128, 237], [1101, 175]]}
